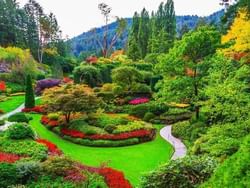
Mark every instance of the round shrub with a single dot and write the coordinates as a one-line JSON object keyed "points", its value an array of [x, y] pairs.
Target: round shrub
{"points": [[140, 88], [53, 116], [148, 116], [19, 117], [8, 175], [28, 170], [110, 128], [20, 131]]}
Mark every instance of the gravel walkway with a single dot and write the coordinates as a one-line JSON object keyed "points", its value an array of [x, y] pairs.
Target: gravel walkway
{"points": [[179, 147]]}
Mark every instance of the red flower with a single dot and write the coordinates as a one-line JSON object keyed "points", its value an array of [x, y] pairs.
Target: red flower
{"points": [[139, 101], [73, 133], [114, 178], [8, 157], [46, 121], [37, 109], [2, 86], [92, 59], [53, 149]]}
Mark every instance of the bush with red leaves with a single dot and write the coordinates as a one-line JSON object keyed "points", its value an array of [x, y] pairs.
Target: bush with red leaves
{"points": [[67, 80], [1, 111], [8, 157], [53, 149], [114, 178], [37, 109], [75, 176]]}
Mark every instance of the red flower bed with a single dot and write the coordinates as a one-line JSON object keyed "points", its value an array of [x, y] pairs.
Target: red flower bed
{"points": [[2, 86], [46, 121], [8, 157], [139, 101], [37, 109], [122, 136], [114, 178], [73, 133], [53, 149]]}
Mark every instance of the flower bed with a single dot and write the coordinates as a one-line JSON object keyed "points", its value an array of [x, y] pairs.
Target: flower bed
{"points": [[52, 148], [139, 101], [50, 123], [8, 157], [123, 136], [36, 109]]}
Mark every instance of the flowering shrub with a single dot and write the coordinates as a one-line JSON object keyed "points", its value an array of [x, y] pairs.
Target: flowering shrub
{"points": [[2, 86], [52, 148], [45, 84], [139, 101], [72, 133], [46, 121], [37, 109], [8, 157], [114, 178]]}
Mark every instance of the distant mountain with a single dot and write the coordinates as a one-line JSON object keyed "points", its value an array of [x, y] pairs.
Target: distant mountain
{"points": [[86, 42]]}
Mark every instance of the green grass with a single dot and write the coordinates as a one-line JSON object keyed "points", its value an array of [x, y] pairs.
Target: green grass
{"points": [[11, 104], [132, 160]]}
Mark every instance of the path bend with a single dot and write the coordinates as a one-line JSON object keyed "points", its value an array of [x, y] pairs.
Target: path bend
{"points": [[179, 147]]}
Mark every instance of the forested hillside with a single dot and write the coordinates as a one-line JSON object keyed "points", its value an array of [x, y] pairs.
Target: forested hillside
{"points": [[86, 42]]}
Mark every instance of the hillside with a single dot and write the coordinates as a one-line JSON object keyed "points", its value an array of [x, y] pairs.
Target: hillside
{"points": [[86, 42]]}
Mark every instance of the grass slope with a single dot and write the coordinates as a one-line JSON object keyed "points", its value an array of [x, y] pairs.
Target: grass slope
{"points": [[11, 104], [132, 160]]}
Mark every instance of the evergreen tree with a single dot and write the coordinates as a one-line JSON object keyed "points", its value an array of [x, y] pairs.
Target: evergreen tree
{"points": [[29, 93], [133, 49], [144, 33]]}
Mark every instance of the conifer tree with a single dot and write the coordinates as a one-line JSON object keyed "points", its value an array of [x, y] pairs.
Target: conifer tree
{"points": [[29, 93]]}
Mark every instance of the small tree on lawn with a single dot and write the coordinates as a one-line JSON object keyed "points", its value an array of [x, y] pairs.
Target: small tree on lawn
{"points": [[29, 93], [70, 99]]}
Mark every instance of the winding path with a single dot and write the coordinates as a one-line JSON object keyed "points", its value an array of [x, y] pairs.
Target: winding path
{"points": [[5, 116], [179, 147]]}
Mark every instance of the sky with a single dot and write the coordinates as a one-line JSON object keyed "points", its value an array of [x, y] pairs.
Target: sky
{"points": [[78, 16]]}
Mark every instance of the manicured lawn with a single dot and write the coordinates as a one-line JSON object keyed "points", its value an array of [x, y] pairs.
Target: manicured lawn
{"points": [[11, 104], [132, 160]]}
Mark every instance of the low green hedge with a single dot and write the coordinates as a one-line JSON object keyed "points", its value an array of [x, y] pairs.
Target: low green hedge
{"points": [[103, 143], [20, 131]]}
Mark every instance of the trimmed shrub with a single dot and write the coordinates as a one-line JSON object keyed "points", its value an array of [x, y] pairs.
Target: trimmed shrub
{"points": [[28, 170], [20, 131], [29, 93], [53, 116], [148, 116], [19, 117]]}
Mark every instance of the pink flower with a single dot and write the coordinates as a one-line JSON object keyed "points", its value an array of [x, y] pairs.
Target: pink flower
{"points": [[139, 101]]}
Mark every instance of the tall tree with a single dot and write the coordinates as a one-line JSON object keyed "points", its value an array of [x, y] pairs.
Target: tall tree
{"points": [[184, 66], [105, 45], [143, 33], [133, 49]]}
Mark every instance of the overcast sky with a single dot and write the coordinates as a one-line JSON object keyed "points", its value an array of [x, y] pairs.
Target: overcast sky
{"points": [[77, 16]]}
